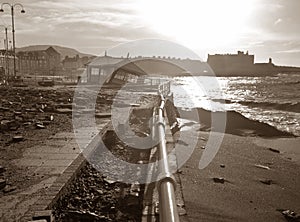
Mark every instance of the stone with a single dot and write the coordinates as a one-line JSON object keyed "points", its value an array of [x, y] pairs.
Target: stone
{"points": [[40, 126], [262, 167], [219, 180], [2, 169], [8, 189], [18, 138], [2, 183], [267, 182], [274, 150]]}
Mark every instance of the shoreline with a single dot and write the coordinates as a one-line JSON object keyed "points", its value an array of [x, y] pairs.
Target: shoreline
{"points": [[236, 123]]}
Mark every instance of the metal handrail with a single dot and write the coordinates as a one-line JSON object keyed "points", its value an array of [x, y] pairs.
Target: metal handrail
{"points": [[166, 186]]}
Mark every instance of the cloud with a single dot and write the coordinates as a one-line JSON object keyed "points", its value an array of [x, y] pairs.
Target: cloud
{"points": [[95, 25], [278, 21]]}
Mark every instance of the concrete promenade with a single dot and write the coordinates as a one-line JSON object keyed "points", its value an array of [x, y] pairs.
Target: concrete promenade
{"points": [[54, 162]]}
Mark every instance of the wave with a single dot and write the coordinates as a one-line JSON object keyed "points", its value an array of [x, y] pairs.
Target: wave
{"points": [[291, 107]]}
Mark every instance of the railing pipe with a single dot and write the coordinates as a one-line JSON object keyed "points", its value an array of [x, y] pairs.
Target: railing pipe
{"points": [[166, 186]]}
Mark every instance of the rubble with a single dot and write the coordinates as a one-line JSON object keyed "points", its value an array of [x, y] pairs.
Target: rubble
{"points": [[18, 138], [290, 215], [219, 180], [8, 189], [2, 183], [2, 169], [92, 197]]}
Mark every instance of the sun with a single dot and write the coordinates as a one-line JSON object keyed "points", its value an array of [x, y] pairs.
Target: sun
{"points": [[198, 23]]}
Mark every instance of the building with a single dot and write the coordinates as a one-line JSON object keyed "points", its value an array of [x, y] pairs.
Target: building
{"points": [[115, 69], [74, 63], [40, 62], [7, 62], [107, 69], [231, 64], [242, 64]]}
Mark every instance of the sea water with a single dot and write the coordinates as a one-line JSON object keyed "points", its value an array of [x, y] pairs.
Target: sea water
{"points": [[274, 100]]}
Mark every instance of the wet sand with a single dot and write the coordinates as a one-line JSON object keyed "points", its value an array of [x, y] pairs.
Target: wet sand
{"points": [[249, 193]]}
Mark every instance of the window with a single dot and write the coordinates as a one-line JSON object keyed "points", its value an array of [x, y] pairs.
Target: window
{"points": [[95, 71]]}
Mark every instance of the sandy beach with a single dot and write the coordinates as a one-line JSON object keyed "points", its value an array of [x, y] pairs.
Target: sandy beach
{"points": [[259, 182]]}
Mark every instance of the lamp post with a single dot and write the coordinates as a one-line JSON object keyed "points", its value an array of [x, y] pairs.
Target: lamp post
{"points": [[12, 6], [6, 52]]}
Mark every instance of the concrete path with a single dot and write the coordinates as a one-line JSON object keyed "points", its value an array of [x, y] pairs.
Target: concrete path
{"points": [[46, 162]]}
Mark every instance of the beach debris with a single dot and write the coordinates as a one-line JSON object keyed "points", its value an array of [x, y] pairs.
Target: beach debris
{"points": [[290, 215], [2, 183], [2, 169], [219, 180], [203, 139], [222, 165], [181, 142], [8, 189], [262, 166], [39, 126], [135, 189], [17, 138], [274, 150], [109, 181], [267, 182], [84, 215]]}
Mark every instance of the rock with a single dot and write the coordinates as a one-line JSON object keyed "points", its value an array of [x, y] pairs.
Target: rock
{"points": [[18, 138], [274, 150], [222, 165], [102, 115], [219, 180], [64, 111], [291, 215], [2, 169], [267, 182], [262, 167], [39, 126], [2, 183], [8, 189], [109, 181], [203, 139]]}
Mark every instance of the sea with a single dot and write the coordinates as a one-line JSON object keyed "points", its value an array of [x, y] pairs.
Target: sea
{"points": [[274, 100]]}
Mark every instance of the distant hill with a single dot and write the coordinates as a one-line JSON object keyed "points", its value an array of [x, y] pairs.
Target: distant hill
{"points": [[64, 51]]}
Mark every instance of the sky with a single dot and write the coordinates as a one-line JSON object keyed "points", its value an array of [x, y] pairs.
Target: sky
{"points": [[266, 28]]}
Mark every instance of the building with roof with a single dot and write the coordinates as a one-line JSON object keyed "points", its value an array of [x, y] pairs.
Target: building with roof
{"points": [[40, 62], [74, 63], [117, 70]]}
